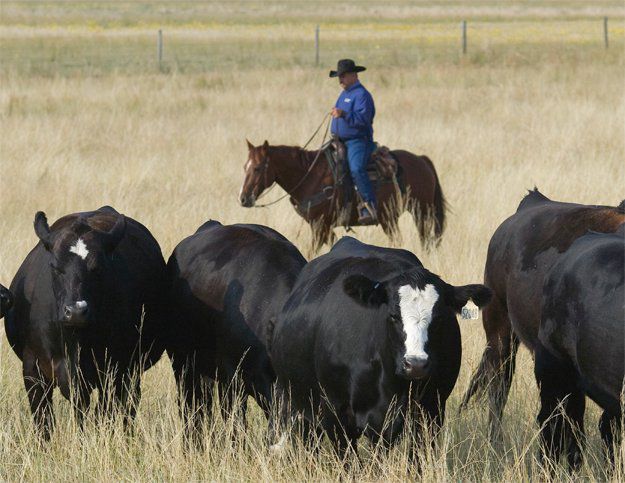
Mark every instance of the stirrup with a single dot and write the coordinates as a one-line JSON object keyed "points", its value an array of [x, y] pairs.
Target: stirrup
{"points": [[371, 219]]}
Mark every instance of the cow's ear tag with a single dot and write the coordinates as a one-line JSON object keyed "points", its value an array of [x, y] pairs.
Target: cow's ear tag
{"points": [[470, 311]]}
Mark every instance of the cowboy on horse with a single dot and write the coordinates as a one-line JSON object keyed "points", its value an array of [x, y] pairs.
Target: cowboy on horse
{"points": [[387, 182], [352, 124]]}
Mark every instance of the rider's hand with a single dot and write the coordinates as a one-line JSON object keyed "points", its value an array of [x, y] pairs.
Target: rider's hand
{"points": [[336, 112]]}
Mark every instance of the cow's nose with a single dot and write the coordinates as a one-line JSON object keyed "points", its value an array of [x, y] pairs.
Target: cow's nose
{"points": [[75, 314], [416, 367]]}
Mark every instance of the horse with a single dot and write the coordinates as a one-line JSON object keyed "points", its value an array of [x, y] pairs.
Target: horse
{"points": [[309, 181]]}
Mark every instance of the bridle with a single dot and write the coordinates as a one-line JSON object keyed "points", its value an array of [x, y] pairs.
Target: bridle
{"points": [[265, 167]]}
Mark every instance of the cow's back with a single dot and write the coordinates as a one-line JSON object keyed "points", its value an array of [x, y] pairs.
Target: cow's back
{"points": [[227, 283], [525, 247]]}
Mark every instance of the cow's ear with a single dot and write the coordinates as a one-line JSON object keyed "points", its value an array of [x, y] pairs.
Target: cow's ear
{"points": [[365, 291], [111, 239], [6, 301], [480, 294], [43, 230]]}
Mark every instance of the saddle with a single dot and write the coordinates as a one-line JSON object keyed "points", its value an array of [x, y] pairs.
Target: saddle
{"points": [[382, 168], [382, 165]]}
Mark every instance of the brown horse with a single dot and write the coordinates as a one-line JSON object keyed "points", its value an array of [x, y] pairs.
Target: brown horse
{"points": [[307, 178]]}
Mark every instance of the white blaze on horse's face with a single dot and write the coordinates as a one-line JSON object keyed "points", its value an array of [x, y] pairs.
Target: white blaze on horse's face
{"points": [[416, 307], [80, 249], [246, 169]]}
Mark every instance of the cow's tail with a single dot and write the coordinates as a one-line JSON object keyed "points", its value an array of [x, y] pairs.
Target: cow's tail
{"points": [[478, 384]]}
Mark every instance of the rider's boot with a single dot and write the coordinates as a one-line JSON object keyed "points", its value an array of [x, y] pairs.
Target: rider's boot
{"points": [[367, 214]]}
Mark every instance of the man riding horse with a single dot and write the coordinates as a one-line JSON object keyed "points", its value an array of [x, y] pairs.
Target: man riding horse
{"points": [[352, 124]]}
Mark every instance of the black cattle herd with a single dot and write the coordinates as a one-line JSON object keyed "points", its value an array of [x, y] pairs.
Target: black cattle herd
{"points": [[363, 340]]}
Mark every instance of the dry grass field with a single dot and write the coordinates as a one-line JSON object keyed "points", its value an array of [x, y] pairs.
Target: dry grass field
{"points": [[88, 119]]}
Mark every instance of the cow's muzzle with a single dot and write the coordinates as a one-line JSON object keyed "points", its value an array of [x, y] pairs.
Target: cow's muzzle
{"points": [[75, 315], [416, 367]]}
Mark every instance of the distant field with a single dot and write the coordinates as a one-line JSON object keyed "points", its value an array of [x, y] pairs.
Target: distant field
{"points": [[87, 118]]}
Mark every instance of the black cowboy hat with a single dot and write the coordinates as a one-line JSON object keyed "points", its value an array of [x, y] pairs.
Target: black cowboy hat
{"points": [[344, 66]]}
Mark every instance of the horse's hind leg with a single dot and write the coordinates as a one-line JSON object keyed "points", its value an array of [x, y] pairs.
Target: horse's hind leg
{"points": [[422, 216], [390, 226], [496, 368], [321, 234]]}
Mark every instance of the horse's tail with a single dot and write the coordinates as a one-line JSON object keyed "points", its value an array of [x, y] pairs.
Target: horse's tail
{"points": [[439, 208]]}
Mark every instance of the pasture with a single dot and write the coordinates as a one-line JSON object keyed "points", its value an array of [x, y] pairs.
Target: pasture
{"points": [[87, 119]]}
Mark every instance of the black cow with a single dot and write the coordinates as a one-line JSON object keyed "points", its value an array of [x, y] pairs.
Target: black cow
{"points": [[227, 282], [6, 300], [88, 304], [365, 326], [520, 253], [581, 342]]}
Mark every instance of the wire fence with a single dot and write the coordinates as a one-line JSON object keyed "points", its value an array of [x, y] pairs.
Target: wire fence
{"points": [[206, 49]]}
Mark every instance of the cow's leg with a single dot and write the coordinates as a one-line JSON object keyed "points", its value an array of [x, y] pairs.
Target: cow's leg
{"points": [[39, 392], [194, 401], [128, 397], [233, 406], [74, 388], [278, 426], [609, 427], [426, 424], [339, 425], [496, 368], [559, 393]]}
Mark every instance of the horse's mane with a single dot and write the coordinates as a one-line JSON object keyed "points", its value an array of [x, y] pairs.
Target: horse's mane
{"points": [[304, 156]]}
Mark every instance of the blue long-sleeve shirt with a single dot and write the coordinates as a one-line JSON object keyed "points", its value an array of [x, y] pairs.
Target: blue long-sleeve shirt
{"points": [[359, 111]]}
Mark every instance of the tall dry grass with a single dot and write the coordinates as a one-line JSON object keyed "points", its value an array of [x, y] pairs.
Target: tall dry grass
{"points": [[168, 150]]}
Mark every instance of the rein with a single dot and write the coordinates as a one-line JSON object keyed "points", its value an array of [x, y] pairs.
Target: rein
{"points": [[310, 168]]}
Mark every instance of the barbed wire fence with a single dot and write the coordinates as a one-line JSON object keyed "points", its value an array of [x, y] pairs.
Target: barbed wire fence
{"points": [[176, 51]]}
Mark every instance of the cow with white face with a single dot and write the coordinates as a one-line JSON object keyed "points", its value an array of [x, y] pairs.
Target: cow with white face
{"points": [[366, 328]]}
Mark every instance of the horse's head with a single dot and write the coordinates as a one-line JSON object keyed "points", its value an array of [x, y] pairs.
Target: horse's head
{"points": [[259, 174]]}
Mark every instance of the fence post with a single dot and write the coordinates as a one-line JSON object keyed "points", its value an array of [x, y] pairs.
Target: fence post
{"points": [[605, 31], [159, 49], [464, 36], [317, 45]]}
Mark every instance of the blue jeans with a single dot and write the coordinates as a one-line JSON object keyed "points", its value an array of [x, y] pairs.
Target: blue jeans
{"points": [[358, 154]]}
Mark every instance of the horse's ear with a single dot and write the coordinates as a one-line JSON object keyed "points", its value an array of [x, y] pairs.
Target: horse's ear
{"points": [[250, 146], [266, 145]]}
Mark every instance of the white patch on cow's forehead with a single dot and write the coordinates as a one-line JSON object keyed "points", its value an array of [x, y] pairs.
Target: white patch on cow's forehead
{"points": [[79, 248], [416, 307]]}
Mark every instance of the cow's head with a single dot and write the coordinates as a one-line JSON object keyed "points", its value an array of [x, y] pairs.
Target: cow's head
{"points": [[6, 300], [80, 254], [417, 305], [259, 174]]}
